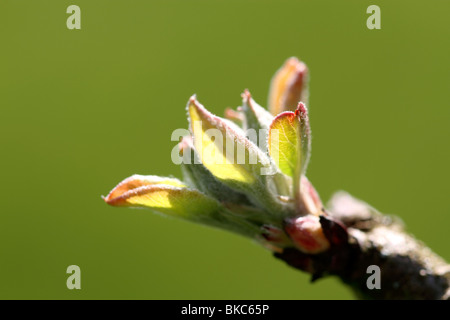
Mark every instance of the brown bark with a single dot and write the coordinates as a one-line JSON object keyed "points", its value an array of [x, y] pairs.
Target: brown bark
{"points": [[361, 237]]}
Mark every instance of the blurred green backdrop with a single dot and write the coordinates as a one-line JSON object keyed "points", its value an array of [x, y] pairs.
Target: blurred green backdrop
{"points": [[83, 109]]}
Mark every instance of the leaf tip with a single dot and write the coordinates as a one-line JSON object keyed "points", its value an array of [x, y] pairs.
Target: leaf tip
{"points": [[301, 110]]}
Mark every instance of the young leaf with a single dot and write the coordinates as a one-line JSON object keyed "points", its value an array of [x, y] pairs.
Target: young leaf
{"points": [[288, 86], [214, 139], [256, 117], [257, 121], [174, 199], [231, 157], [137, 180], [170, 198], [289, 144], [198, 176], [289, 141]]}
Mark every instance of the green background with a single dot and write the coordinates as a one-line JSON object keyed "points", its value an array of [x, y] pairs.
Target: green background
{"points": [[83, 109]]}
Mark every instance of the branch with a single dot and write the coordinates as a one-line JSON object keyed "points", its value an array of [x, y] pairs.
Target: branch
{"points": [[361, 237]]}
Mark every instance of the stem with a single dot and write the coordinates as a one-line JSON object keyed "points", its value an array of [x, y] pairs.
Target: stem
{"points": [[409, 269]]}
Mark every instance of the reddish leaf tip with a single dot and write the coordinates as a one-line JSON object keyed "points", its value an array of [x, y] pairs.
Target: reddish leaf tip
{"points": [[301, 109], [193, 98], [246, 96], [292, 61]]}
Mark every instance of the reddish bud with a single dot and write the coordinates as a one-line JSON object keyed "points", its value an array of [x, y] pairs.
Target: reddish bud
{"points": [[307, 235]]}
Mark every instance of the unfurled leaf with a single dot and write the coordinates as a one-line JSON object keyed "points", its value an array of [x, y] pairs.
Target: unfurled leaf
{"points": [[288, 86], [231, 157], [136, 181], [289, 141], [215, 141], [289, 145], [169, 199], [284, 147], [198, 176], [176, 200], [257, 122]]}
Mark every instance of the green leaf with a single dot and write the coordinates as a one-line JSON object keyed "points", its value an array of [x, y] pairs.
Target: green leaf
{"points": [[176, 200], [166, 195], [289, 143], [198, 176], [137, 180], [231, 157]]}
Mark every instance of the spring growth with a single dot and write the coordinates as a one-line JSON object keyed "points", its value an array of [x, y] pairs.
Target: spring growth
{"points": [[245, 174]]}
